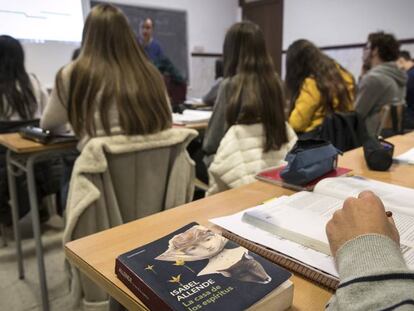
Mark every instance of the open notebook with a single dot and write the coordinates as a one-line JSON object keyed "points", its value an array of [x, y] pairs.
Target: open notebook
{"points": [[293, 228]]}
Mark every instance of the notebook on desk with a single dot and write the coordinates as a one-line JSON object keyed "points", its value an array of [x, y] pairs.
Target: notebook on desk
{"points": [[43, 136]]}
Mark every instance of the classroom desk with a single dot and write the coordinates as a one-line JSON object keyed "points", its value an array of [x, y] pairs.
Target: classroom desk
{"points": [[201, 126], [95, 255], [21, 156], [399, 174]]}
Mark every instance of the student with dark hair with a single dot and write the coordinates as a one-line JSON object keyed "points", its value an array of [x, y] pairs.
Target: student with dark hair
{"points": [[247, 131], [316, 84], [210, 97], [111, 88], [405, 63], [366, 247], [384, 84], [22, 97]]}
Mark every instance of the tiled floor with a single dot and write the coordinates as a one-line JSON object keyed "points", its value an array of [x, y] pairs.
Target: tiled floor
{"points": [[24, 295]]}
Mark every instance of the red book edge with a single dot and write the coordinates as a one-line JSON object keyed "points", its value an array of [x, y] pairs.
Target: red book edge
{"points": [[272, 176], [144, 293]]}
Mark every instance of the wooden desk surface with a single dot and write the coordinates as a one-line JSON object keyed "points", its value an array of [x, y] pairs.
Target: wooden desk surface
{"points": [[18, 144], [195, 126], [399, 174], [95, 255]]}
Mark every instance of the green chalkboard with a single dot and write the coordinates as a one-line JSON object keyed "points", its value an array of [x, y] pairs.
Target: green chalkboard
{"points": [[170, 29]]}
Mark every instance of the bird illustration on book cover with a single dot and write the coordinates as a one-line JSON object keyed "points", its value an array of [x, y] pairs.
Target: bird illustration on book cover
{"points": [[196, 269]]}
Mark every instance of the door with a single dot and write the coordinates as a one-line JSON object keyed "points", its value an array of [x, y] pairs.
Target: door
{"points": [[268, 14]]}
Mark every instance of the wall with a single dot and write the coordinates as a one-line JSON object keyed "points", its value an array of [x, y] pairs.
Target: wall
{"points": [[339, 22], [207, 25]]}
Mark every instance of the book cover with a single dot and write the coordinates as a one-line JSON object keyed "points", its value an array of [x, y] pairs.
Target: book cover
{"points": [[194, 268], [272, 175]]}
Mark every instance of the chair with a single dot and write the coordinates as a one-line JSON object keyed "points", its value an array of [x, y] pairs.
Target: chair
{"points": [[384, 117], [177, 91], [119, 179], [391, 120]]}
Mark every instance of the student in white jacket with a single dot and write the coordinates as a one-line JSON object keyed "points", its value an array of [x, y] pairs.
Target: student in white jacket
{"points": [[249, 113]]}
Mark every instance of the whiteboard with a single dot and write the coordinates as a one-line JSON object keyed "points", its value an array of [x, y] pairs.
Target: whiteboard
{"points": [[42, 20]]}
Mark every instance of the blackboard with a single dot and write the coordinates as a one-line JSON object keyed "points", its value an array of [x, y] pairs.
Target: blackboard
{"points": [[170, 29]]}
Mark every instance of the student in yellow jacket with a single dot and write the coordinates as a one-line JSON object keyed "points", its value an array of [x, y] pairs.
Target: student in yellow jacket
{"points": [[316, 84]]}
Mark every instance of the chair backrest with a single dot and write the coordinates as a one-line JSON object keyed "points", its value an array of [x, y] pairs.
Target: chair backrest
{"points": [[391, 120], [384, 117], [141, 180], [177, 91]]}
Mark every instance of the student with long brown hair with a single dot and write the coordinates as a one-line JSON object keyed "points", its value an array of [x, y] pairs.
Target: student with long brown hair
{"points": [[247, 131], [111, 88], [316, 84], [132, 162]]}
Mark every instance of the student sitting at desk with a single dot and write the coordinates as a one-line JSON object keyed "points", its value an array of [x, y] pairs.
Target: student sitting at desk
{"points": [[111, 88], [22, 98], [366, 246], [247, 131], [316, 85], [210, 97]]}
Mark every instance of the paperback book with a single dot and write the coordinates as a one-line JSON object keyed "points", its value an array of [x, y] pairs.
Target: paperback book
{"points": [[194, 268]]}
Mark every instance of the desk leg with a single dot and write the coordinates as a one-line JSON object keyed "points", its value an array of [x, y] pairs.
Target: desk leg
{"points": [[36, 230], [15, 213]]}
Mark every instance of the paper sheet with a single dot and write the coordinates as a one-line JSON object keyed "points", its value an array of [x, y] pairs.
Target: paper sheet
{"points": [[191, 116], [406, 157]]}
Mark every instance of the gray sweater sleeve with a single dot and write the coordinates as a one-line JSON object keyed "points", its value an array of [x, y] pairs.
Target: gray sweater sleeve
{"points": [[55, 115], [217, 126], [369, 94], [373, 276]]}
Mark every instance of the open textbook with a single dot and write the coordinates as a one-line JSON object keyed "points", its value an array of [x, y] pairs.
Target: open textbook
{"points": [[295, 225]]}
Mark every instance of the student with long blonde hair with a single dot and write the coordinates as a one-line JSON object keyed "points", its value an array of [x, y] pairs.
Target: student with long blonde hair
{"points": [[111, 88]]}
